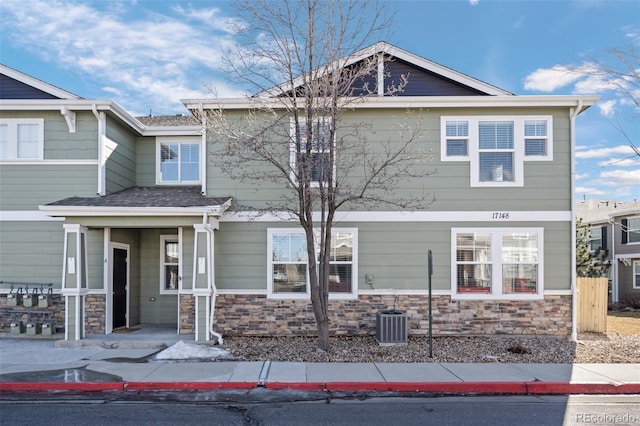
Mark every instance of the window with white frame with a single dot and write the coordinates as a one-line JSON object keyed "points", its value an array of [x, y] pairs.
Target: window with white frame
{"points": [[636, 274], [22, 139], [595, 242], [497, 263], [169, 264], [312, 160], [287, 265], [631, 230], [178, 161], [496, 146]]}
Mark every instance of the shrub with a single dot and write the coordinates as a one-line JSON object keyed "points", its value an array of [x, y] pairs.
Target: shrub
{"points": [[631, 300]]}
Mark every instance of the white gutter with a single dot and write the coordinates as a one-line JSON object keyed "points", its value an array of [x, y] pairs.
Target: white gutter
{"points": [[574, 289], [102, 134]]}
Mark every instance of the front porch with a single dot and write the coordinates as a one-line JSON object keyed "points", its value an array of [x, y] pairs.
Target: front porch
{"points": [[140, 256], [141, 336]]}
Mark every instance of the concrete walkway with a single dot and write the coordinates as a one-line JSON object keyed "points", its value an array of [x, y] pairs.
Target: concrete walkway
{"points": [[30, 364]]}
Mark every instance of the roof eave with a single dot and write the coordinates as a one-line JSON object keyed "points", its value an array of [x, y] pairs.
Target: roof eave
{"points": [[406, 102], [94, 211]]}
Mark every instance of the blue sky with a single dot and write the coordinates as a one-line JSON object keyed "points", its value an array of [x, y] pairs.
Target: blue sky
{"points": [[146, 55]]}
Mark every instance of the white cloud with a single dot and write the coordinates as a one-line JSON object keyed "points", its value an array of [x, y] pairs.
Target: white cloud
{"points": [[605, 152], [148, 56], [582, 176], [580, 190], [607, 107], [474, 2], [625, 162], [551, 79], [621, 178], [518, 23]]}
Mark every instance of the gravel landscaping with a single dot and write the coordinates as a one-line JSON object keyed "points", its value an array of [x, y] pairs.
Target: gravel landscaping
{"points": [[590, 348]]}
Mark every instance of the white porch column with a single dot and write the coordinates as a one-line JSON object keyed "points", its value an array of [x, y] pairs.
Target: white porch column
{"points": [[74, 280]]}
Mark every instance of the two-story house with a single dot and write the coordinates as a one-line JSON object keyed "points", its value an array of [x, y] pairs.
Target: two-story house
{"points": [[133, 225], [615, 226]]}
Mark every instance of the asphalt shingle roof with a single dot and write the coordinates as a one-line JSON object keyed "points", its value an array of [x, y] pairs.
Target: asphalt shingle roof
{"points": [[169, 120], [147, 196]]}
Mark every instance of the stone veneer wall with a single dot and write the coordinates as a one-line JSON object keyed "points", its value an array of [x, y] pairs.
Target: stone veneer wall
{"points": [[95, 315], [56, 310], [187, 314], [258, 316]]}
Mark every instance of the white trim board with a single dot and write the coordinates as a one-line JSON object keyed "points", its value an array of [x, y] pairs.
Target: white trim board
{"points": [[498, 216]]}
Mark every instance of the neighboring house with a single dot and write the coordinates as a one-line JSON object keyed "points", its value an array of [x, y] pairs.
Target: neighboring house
{"points": [[132, 225], [615, 226]]}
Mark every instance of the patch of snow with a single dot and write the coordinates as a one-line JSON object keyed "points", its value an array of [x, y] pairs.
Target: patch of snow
{"points": [[187, 351]]}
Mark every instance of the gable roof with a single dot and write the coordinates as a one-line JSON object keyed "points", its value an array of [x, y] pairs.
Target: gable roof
{"points": [[423, 68], [17, 85]]}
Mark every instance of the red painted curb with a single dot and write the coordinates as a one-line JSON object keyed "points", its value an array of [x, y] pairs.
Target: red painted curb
{"points": [[440, 387], [296, 385], [55, 386], [487, 388], [188, 385], [549, 388]]}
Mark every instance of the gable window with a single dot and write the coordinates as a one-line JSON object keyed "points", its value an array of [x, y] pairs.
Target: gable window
{"points": [[497, 263], [496, 146], [22, 139], [314, 157], [178, 161], [287, 264], [631, 230], [169, 264]]}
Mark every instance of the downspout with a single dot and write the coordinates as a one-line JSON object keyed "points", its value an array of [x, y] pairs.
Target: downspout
{"points": [[100, 116], [203, 153], [614, 262], [210, 280], [574, 290]]}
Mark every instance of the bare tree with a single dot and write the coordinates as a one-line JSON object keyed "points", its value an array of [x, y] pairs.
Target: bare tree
{"points": [[619, 72], [298, 56]]}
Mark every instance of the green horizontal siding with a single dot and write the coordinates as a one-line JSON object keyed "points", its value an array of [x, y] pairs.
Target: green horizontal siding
{"points": [[25, 187], [59, 143], [146, 161], [31, 252], [395, 254], [547, 185], [121, 157]]}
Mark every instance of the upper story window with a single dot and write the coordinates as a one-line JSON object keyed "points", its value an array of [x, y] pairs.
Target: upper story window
{"points": [[287, 263], [496, 146], [598, 238], [631, 230], [22, 139], [178, 161], [314, 157], [497, 263]]}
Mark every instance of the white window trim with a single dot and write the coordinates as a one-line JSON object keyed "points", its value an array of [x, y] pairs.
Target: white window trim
{"points": [[631, 229], [191, 140], [636, 263], [293, 165], [163, 239], [307, 295], [12, 138], [496, 255], [473, 150]]}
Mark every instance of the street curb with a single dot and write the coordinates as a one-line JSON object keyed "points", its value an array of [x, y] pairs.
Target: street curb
{"points": [[474, 388]]}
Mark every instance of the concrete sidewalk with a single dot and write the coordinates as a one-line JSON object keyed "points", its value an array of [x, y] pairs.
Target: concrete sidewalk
{"points": [[38, 365]]}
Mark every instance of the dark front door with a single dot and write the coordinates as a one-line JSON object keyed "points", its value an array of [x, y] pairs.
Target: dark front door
{"points": [[119, 287]]}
